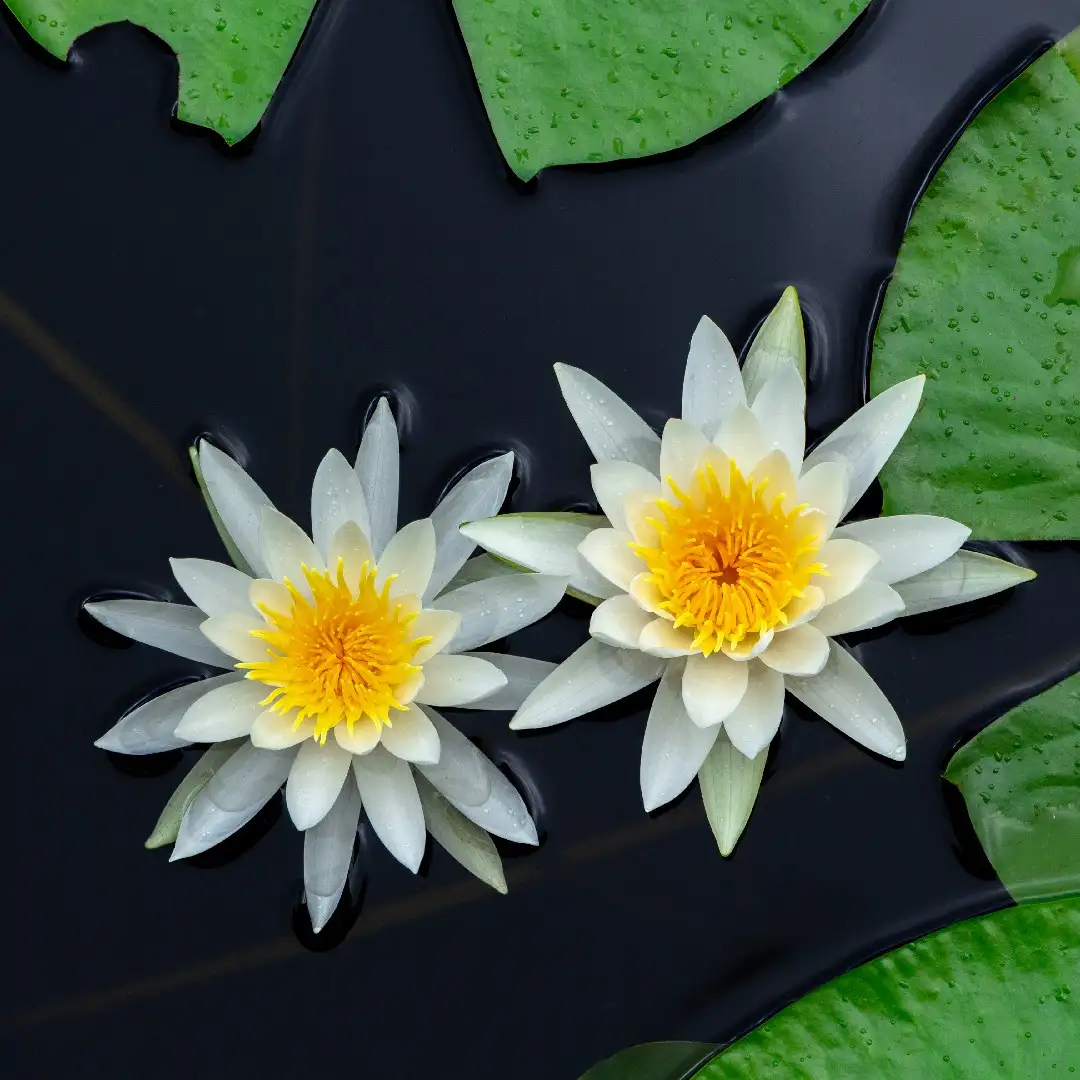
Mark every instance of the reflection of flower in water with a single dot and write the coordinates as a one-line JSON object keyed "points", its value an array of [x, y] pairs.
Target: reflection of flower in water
{"points": [[344, 644], [724, 571]]}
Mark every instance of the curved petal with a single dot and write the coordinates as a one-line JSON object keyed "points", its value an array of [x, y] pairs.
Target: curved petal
{"points": [[167, 826], [411, 736], [729, 783], [907, 544], [619, 622], [712, 383], [523, 675], [661, 638], [647, 595], [315, 781], [410, 556], [613, 482], [439, 625], [352, 548], [846, 696], [480, 568], [781, 339], [872, 604], [211, 586], [238, 500], [773, 474], [172, 627], [780, 407], [363, 738], [968, 575], [234, 634], [337, 496], [609, 553], [479, 494], [868, 438], [803, 650], [392, 804], [674, 747], [741, 438], [712, 687], [328, 851], [273, 731], [263, 593], [847, 565], [756, 720], [612, 429], [803, 608], [451, 680], [286, 548], [500, 606], [377, 466], [593, 676], [680, 448], [227, 712], [825, 488], [751, 646]]}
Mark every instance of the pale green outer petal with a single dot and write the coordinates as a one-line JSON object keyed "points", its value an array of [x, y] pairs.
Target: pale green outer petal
{"points": [[231, 549], [866, 440], [480, 493], [171, 627], [908, 544], [523, 676], [378, 465], [492, 609], [712, 383], [214, 587], [337, 496], [612, 429], [480, 568], [236, 501], [593, 676], [729, 788], [392, 805], [460, 838], [168, 824], [968, 575], [328, 849], [781, 409], [781, 338], [845, 695]]}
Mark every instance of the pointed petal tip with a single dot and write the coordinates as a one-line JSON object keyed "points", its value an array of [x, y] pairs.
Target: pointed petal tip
{"points": [[320, 910]]}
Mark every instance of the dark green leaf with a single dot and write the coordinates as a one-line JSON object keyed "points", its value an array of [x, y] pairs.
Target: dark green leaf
{"points": [[653, 1061]]}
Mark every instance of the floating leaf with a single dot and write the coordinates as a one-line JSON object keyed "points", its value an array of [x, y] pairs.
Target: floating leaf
{"points": [[232, 54], [569, 81], [990, 997], [986, 302], [653, 1061], [1020, 779]]}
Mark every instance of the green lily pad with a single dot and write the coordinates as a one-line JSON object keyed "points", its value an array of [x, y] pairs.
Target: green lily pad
{"points": [[232, 53], [653, 1061], [571, 81], [985, 302], [991, 997], [1020, 779]]}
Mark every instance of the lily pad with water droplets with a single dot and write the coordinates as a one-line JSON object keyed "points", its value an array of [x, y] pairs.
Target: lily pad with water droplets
{"points": [[1020, 779], [232, 53], [574, 81], [985, 302]]}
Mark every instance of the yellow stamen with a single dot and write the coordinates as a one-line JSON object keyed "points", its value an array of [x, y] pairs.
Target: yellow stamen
{"points": [[340, 656], [729, 560]]}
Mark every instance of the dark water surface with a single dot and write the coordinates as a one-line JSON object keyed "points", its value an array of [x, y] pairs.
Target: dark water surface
{"points": [[152, 287]]}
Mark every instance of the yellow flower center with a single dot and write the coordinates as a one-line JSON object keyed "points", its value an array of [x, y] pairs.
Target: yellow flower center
{"points": [[340, 656], [729, 559]]}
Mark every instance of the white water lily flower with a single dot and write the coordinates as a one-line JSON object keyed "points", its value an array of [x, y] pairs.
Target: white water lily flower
{"points": [[726, 570], [343, 645]]}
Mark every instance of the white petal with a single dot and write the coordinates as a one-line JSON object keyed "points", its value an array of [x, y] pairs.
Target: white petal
{"points": [[238, 501], [803, 608], [612, 429], [609, 553], [546, 543], [660, 638], [712, 384], [729, 783], [479, 494], [411, 736], [968, 575], [480, 568], [211, 586], [363, 738], [741, 438], [337, 496], [781, 410], [150, 728], [234, 634], [172, 627], [411, 556], [500, 606], [287, 549], [801, 651], [458, 680], [781, 339], [393, 807], [270, 595], [352, 548], [753, 724], [614, 482], [226, 712], [674, 746], [751, 646], [848, 564], [907, 544], [774, 473], [377, 465], [167, 827], [680, 449], [315, 781], [593, 676], [272, 731], [868, 438], [234, 795], [825, 488], [328, 851], [439, 625], [872, 604], [523, 676], [846, 696], [619, 622], [469, 844], [712, 687], [463, 773]]}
